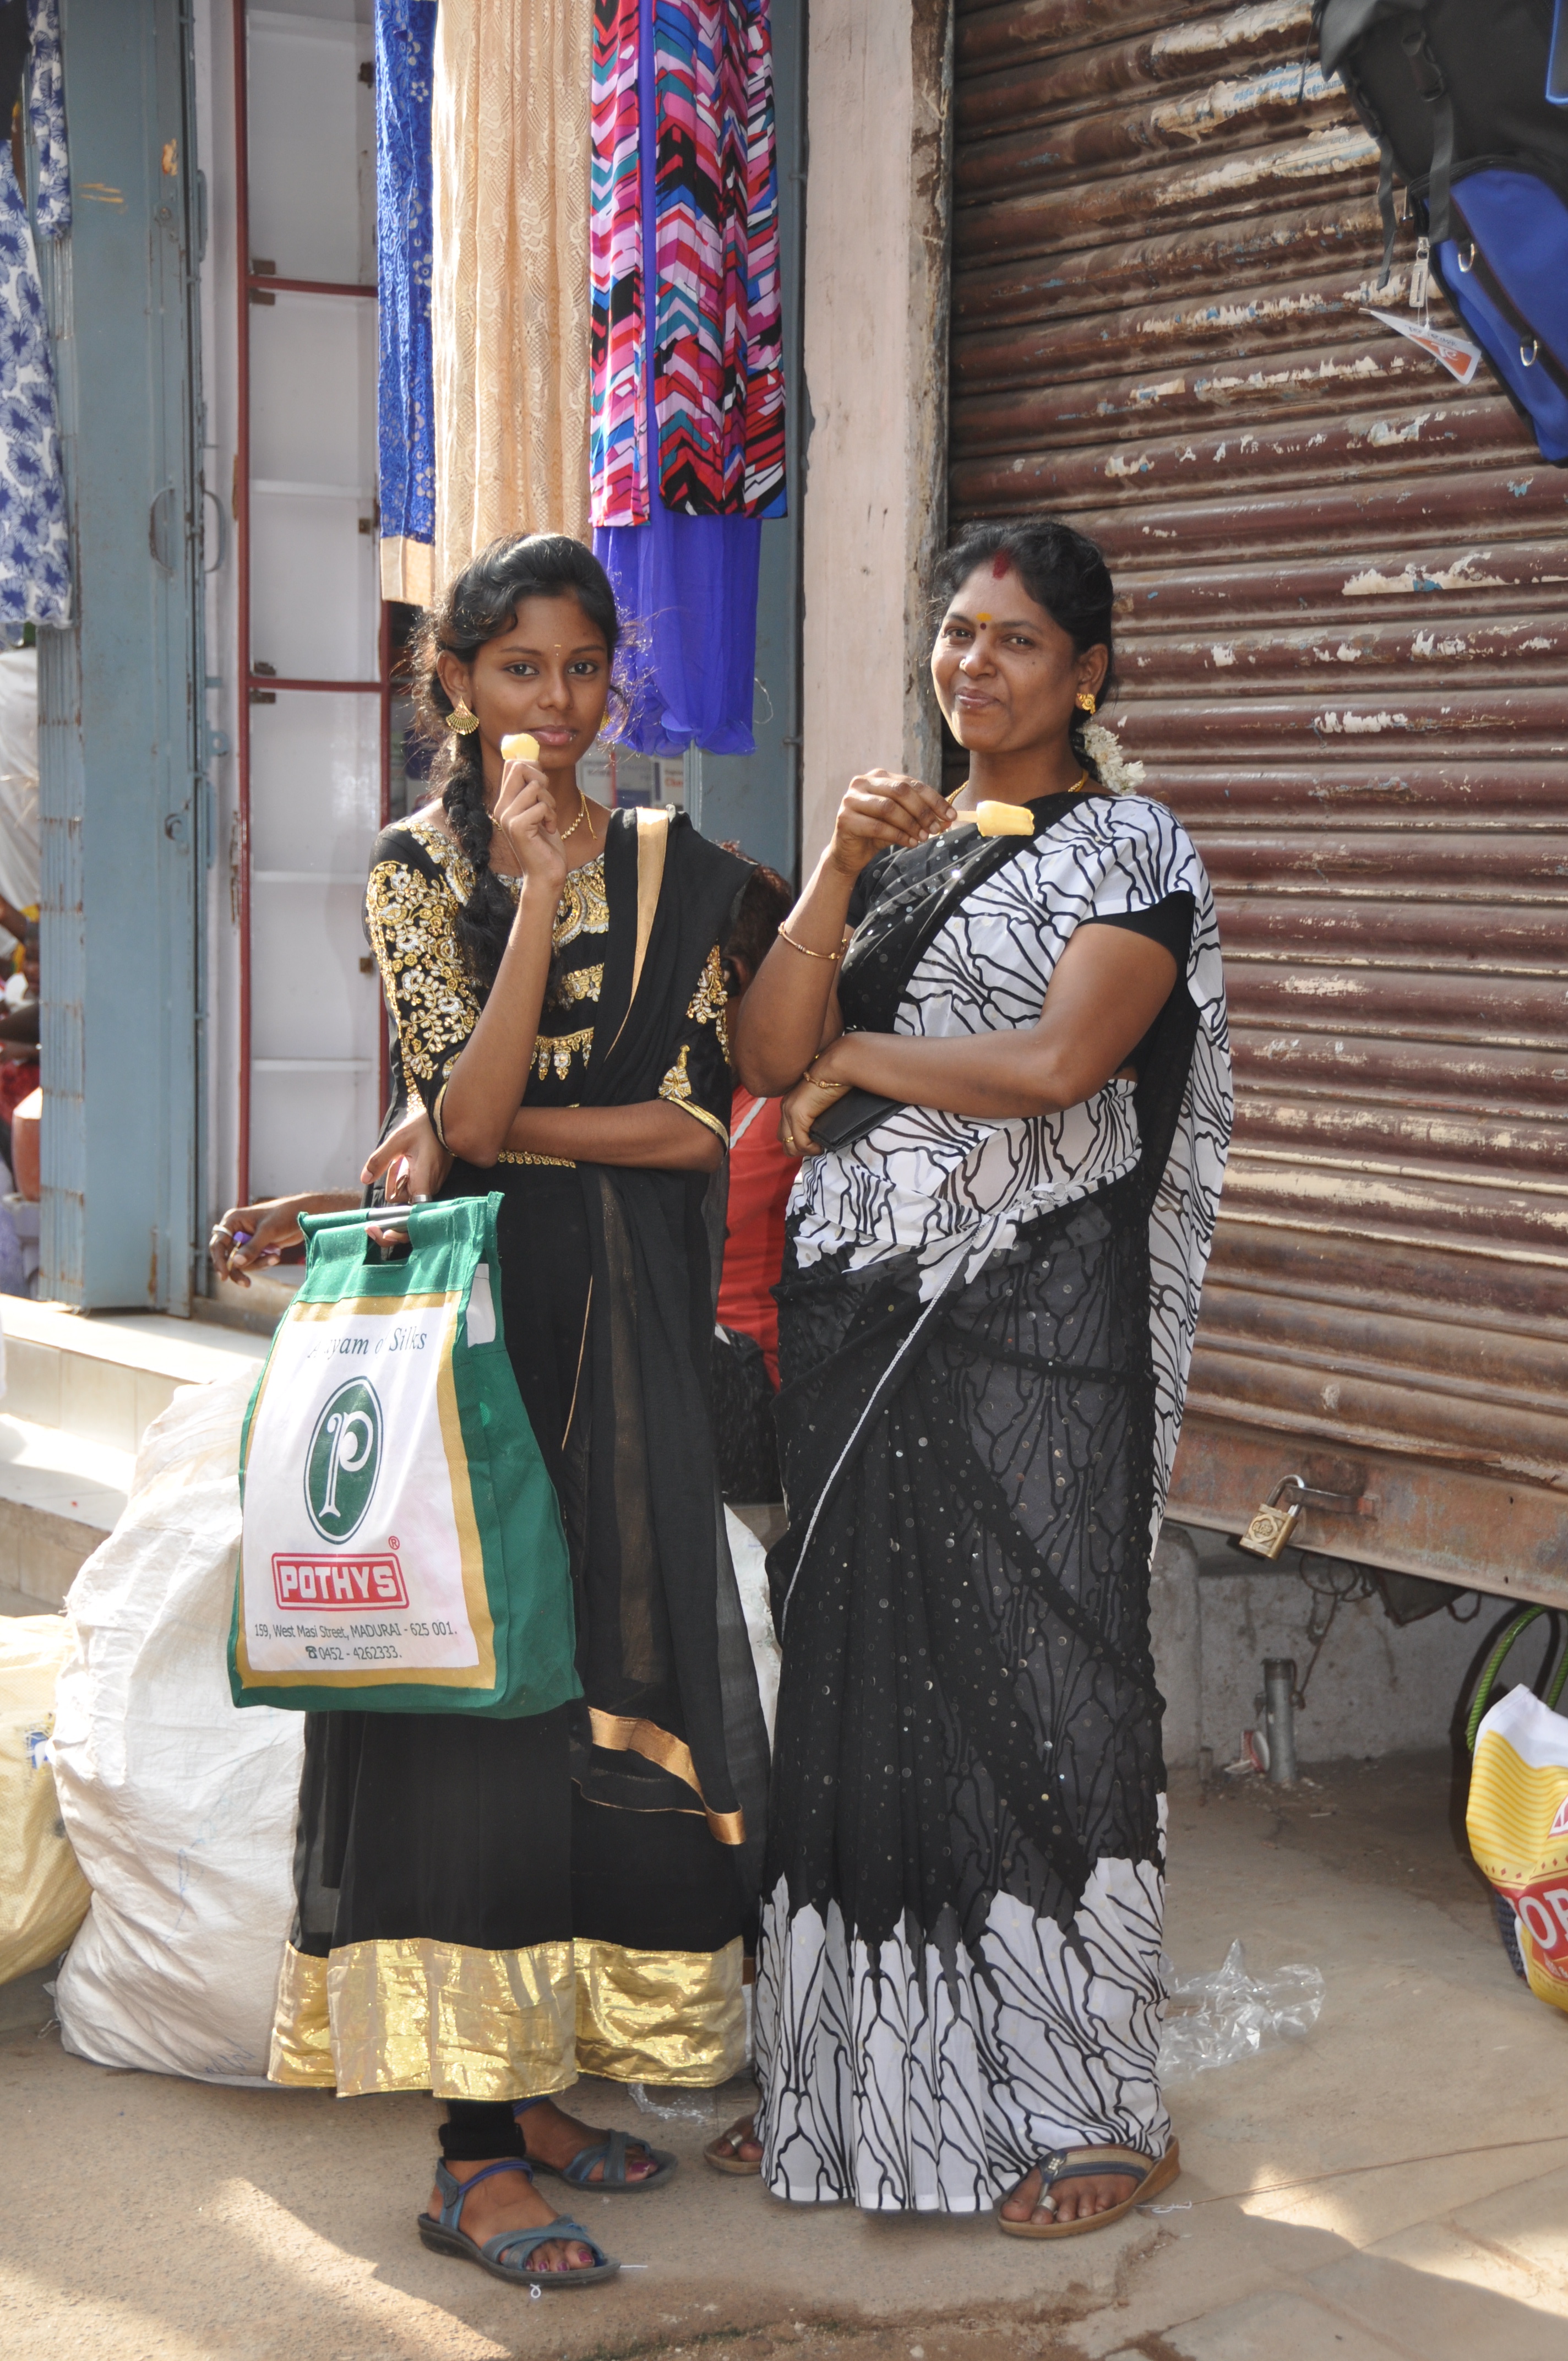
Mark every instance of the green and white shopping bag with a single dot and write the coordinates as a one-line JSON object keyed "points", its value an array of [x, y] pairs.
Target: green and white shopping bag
{"points": [[402, 1549]]}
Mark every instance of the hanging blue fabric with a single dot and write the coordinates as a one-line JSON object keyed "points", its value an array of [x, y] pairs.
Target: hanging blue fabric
{"points": [[686, 586], [405, 54], [35, 548], [46, 112]]}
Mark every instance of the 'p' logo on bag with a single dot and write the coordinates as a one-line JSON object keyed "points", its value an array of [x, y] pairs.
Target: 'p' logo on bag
{"points": [[344, 1460], [401, 1548]]}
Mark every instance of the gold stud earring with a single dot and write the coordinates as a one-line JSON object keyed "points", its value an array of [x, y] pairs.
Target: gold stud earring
{"points": [[461, 721], [1085, 700]]}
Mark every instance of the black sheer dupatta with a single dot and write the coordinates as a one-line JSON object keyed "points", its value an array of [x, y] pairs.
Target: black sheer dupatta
{"points": [[674, 1718], [969, 1703]]}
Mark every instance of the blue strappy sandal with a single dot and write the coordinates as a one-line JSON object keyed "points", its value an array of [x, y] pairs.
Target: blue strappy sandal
{"points": [[505, 2257], [612, 2152]]}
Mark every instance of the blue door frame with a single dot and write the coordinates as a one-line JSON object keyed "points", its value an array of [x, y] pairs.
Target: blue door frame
{"points": [[122, 790]]}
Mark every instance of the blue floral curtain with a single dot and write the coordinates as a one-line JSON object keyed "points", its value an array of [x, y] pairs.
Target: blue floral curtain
{"points": [[405, 52]]}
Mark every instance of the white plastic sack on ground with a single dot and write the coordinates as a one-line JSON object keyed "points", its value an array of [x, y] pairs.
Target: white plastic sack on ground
{"points": [[42, 1896], [181, 1810]]}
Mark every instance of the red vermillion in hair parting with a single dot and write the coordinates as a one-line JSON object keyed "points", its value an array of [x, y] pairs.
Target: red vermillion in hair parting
{"points": [[1001, 565]]}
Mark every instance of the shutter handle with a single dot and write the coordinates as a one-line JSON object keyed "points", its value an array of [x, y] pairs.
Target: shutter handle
{"points": [[155, 536], [1465, 257], [1529, 354]]}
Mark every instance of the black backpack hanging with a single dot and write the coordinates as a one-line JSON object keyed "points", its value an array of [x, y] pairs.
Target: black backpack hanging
{"points": [[1468, 101]]}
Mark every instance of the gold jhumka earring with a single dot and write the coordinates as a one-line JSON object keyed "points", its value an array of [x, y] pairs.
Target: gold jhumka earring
{"points": [[461, 721]]}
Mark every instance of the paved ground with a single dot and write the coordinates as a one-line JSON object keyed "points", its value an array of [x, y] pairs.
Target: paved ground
{"points": [[1397, 2185]]}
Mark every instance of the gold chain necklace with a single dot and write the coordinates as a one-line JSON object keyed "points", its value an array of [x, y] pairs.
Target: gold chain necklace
{"points": [[582, 816]]}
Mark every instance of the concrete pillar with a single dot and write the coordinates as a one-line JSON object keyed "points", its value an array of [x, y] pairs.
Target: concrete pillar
{"points": [[879, 84]]}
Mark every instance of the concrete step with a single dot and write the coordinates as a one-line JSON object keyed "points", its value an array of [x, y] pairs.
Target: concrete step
{"points": [[58, 1496], [107, 1378], [81, 1392], [256, 1307]]}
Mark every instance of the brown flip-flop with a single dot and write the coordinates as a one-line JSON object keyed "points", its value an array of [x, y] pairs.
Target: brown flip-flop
{"points": [[743, 2168], [1087, 2164]]}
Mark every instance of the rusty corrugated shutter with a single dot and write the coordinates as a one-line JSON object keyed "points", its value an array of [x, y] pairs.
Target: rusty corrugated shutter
{"points": [[1345, 656]]}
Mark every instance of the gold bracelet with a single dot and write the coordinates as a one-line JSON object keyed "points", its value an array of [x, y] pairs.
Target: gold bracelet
{"points": [[837, 1089], [806, 950]]}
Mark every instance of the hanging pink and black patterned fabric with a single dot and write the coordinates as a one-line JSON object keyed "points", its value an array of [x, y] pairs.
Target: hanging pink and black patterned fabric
{"points": [[717, 368], [618, 440]]}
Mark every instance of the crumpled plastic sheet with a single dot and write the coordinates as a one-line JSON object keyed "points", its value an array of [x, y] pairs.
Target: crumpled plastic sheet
{"points": [[1215, 2019], [671, 2104]]}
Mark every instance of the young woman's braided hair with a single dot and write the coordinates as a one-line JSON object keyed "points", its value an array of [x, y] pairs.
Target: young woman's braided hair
{"points": [[479, 606], [1064, 573]]}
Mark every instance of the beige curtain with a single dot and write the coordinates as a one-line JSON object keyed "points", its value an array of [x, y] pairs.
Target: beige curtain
{"points": [[509, 293]]}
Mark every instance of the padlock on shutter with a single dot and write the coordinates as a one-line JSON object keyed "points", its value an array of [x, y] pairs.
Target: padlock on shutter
{"points": [[1272, 1526]]}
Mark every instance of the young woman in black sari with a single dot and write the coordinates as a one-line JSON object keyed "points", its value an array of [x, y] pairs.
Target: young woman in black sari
{"points": [[487, 1908], [986, 1322]]}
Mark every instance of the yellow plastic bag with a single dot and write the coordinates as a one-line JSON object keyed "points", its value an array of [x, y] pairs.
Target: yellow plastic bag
{"points": [[43, 1895], [1517, 1825]]}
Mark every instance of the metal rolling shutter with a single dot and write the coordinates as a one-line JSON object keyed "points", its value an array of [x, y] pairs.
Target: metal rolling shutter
{"points": [[1343, 649]]}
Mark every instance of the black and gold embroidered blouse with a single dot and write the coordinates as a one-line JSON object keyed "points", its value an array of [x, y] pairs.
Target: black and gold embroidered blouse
{"points": [[418, 881]]}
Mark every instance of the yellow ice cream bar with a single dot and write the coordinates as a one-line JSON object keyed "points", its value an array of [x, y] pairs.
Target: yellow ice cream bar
{"points": [[998, 819], [519, 748]]}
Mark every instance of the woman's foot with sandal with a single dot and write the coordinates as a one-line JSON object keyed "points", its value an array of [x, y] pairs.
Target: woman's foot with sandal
{"points": [[612, 2162], [1077, 2189], [489, 2213], [738, 2150]]}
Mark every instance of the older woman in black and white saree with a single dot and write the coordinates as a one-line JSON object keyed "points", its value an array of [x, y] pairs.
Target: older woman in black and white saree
{"points": [[987, 1319]]}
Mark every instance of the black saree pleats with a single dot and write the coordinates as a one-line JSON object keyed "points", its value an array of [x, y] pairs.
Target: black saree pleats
{"points": [[968, 1702]]}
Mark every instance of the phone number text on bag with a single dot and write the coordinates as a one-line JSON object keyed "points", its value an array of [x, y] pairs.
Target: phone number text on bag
{"points": [[339, 1585]]}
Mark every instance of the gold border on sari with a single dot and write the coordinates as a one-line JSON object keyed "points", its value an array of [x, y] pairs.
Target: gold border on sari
{"points": [[618, 1733], [661, 2016], [422, 2016], [300, 2054], [653, 841]]}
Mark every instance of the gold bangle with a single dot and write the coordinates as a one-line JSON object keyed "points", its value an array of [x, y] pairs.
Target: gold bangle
{"points": [[806, 950]]}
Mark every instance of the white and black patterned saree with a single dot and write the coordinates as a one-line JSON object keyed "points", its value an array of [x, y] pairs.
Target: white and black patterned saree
{"points": [[985, 1332]]}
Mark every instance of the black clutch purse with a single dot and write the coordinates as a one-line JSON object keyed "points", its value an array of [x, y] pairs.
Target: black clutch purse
{"points": [[849, 1118]]}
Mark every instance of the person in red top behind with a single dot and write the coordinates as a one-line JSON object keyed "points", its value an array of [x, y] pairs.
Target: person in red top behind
{"points": [[762, 1172]]}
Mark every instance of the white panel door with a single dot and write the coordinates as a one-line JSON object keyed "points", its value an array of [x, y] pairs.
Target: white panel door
{"points": [[315, 786]]}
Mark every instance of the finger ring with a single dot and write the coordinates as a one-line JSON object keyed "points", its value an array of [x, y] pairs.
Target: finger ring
{"points": [[220, 1232]]}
